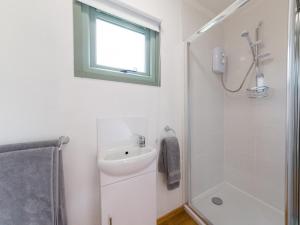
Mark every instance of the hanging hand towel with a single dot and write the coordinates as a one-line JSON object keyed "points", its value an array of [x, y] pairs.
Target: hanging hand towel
{"points": [[169, 161]]}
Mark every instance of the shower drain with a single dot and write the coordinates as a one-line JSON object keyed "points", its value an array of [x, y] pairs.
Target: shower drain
{"points": [[217, 200]]}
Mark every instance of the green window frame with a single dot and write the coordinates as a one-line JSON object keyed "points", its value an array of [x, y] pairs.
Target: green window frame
{"points": [[85, 49]]}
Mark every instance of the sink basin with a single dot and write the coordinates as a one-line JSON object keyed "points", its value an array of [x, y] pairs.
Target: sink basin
{"points": [[127, 160]]}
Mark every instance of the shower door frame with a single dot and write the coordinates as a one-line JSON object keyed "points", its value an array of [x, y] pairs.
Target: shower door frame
{"points": [[292, 202], [196, 214], [292, 130]]}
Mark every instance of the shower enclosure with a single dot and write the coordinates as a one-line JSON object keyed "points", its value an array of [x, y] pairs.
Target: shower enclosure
{"points": [[242, 115]]}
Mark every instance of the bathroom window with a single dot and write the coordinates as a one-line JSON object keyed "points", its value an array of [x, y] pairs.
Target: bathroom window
{"points": [[111, 48]]}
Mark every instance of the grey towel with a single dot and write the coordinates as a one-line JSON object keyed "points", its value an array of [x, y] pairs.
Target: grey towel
{"points": [[31, 184], [169, 161]]}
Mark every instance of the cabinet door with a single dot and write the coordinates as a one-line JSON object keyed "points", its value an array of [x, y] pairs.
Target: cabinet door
{"points": [[130, 202]]}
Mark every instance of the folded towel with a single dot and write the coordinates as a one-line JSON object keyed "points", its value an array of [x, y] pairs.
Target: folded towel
{"points": [[31, 184], [169, 161]]}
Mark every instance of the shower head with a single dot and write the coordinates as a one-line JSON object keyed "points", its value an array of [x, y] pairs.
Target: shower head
{"points": [[244, 34]]}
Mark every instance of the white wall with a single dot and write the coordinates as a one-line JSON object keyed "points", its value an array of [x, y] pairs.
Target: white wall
{"points": [[41, 99], [30, 71], [193, 17]]}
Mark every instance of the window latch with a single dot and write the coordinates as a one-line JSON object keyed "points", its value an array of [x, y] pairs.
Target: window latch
{"points": [[128, 71]]}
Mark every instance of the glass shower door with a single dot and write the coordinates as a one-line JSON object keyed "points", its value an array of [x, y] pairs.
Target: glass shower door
{"points": [[237, 144]]}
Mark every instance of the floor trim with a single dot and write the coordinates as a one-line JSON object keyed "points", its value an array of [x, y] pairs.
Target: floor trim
{"points": [[170, 215], [194, 216]]}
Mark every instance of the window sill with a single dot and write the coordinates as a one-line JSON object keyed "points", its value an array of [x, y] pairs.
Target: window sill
{"points": [[118, 77]]}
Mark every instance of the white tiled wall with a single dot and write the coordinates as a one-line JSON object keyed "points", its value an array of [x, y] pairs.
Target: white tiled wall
{"points": [[206, 116], [255, 128]]}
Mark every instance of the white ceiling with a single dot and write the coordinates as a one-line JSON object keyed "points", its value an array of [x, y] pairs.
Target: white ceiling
{"points": [[215, 6]]}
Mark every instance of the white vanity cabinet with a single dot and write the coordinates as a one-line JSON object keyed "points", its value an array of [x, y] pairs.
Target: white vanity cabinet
{"points": [[130, 202], [127, 168]]}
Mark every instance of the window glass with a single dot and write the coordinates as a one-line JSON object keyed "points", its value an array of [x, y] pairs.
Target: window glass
{"points": [[119, 47]]}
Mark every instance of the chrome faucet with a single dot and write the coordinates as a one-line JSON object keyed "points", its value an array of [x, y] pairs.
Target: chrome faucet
{"points": [[141, 141]]}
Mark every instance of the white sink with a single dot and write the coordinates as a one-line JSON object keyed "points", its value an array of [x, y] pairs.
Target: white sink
{"points": [[125, 161]]}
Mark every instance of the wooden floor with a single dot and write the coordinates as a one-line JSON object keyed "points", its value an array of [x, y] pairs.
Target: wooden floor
{"points": [[176, 217]]}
